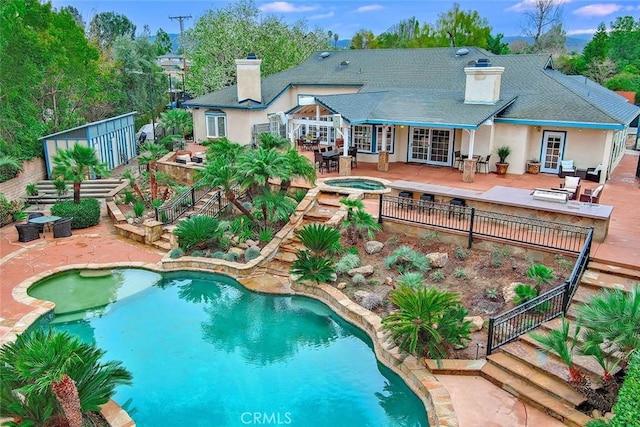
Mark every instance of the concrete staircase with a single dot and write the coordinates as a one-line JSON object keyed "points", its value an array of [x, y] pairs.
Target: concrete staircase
{"points": [[541, 379], [95, 188]]}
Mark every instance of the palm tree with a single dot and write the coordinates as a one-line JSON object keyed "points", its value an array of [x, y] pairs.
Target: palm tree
{"points": [[177, 120], [6, 160], [219, 172], [319, 239], [269, 141], [562, 343], [300, 167], [226, 149], [58, 377], [275, 206], [311, 267], [150, 153], [358, 222], [76, 164], [429, 321], [258, 166]]}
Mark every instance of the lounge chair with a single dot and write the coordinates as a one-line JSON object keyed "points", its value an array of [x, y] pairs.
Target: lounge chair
{"points": [[592, 196], [593, 174], [36, 215], [27, 232], [567, 168], [62, 228], [571, 185]]}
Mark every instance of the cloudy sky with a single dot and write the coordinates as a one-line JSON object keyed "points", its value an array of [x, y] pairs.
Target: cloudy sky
{"points": [[345, 17]]}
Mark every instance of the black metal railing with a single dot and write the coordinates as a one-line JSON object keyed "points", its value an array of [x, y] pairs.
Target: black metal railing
{"points": [[509, 325], [508, 228], [216, 204], [180, 204]]}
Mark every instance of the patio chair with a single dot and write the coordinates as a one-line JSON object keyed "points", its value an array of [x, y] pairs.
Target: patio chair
{"points": [[62, 228], [353, 152], [483, 163], [36, 215], [27, 232], [571, 185], [592, 196], [320, 161], [593, 174], [567, 168], [457, 159]]}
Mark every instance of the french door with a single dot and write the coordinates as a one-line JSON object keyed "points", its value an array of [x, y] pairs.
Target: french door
{"points": [[431, 146], [552, 151]]}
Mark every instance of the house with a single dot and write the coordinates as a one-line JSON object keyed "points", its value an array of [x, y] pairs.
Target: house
{"points": [[423, 105], [113, 139]]}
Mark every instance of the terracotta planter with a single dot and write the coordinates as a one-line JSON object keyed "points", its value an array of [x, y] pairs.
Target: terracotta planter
{"points": [[501, 169], [533, 167]]}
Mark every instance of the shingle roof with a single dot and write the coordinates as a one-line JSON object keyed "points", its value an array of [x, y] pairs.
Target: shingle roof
{"points": [[427, 86]]}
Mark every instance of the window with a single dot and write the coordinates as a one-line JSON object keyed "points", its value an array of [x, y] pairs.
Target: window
{"points": [[362, 138], [216, 125], [390, 142]]}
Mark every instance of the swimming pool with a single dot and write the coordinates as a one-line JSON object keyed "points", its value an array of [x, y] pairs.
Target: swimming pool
{"points": [[204, 351], [357, 183]]}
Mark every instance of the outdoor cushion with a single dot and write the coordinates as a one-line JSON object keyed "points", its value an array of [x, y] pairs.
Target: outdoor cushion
{"points": [[595, 193], [571, 182], [567, 165], [183, 158]]}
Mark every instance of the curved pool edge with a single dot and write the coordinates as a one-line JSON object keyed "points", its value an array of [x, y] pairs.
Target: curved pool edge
{"points": [[414, 372], [325, 188]]}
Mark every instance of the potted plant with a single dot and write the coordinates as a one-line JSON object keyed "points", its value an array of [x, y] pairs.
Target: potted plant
{"points": [[502, 165], [533, 166], [32, 190]]}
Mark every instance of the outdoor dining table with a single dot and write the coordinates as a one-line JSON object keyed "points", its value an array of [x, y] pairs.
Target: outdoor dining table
{"points": [[47, 221]]}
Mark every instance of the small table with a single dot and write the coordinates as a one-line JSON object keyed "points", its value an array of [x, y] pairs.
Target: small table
{"points": [[46, 221], [331, 157]]}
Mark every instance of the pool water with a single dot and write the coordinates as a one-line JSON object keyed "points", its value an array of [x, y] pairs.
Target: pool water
{"points": [[204, 351], [357, 183]]}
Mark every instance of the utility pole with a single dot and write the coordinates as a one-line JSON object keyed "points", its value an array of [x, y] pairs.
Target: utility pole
{"points": [[184, 56]]}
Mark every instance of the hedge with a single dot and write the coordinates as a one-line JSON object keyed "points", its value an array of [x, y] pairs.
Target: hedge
{"points": [[627, 409], [84, 214]]}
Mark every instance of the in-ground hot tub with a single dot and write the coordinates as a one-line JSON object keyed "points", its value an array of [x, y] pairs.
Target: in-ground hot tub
{"points": [[357, 183]]}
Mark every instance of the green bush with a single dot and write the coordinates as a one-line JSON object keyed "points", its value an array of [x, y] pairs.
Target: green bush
{"points": [[299, 194], [250, 253], [359, 279], [196, 231], [460, 273], [524, 293], [85, 214], [138, 208], [460, 253], [176, 253], [437, 276], [347, 262], [218, 255], [627, 409], [230, 256], [197, 253], [412, 279], [405, 259]]}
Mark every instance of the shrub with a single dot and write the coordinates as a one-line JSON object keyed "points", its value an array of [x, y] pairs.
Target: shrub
{"points": [[353, 250], [359, 279], [31, 189], [431, 236], [347, 262], [266, 234], [176, 253], [497, 257], [225, 242], [411, 279], [372, 301], [541, 274], [437, 276], [85, 214], [60, 186], [492, 293], [11, 211], [524, 293], [197, 253], [308, 266], [393, 241], [138, 208], [319, 238], [627, 409], [218, 255], [405, 259], [230, 256], [251, 253], [196, 231], [460, 273], [460, 253], [299, 194]]}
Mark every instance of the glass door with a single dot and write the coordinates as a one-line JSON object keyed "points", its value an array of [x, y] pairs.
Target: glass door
{"points": [[419, 145], [440, 144], [552, 151]]}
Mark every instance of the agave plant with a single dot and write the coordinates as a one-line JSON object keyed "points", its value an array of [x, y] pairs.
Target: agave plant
{"points": [[562, 342], [429, 322]]}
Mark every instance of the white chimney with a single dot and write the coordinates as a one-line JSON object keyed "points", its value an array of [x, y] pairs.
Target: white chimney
{"points": [[483, 83], [248, 78]]}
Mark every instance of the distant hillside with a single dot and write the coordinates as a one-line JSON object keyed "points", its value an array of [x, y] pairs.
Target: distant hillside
{"points": [[573, 43]]}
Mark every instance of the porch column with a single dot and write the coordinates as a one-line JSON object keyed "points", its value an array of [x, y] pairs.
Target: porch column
{"points": [[383, 155], [469, 167], [344, 165]]}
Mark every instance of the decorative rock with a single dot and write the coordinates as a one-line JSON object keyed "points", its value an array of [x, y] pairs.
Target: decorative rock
{"points": [[438, 259], [388, 281], [508, 292], [360, 295], [365, 270], [250, 242], [238, 251], [130, 221], [243, 245], [235, 239], [341, 285], [596, 414], [151, 214], [373, 247], [476, 322]]}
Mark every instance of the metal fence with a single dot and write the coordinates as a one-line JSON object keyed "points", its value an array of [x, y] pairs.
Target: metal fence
{"points": [[180, 204], [509, 228], [216, 204]]}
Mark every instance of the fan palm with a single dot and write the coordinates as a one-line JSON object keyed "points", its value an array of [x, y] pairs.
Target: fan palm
{"points": [[226, 149], [562, 343], [275, 206], [319, 238], [429, 321], [269, 141], [150, 153], [301, 167], [258, 166], [57, 376], [177, 120], [75, 164]]}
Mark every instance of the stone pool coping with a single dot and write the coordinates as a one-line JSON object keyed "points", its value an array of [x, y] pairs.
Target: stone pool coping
{"points": [[413, 371], [324, 188]]}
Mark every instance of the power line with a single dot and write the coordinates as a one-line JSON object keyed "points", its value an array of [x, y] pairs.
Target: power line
{"points": [[184, 55]]}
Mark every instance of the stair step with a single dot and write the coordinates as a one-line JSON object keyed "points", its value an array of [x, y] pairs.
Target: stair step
{"points": [[534, 396], [543, 361], [285, 256], [627, 271], [526, 372], [602, 280], [585, 294], [587, 364], [162, 244]]}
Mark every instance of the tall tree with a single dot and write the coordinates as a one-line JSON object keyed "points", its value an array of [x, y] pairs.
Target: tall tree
{"points": [[541, 17], [462, 28], [106, 27], [162, 42], [496, 45], [598, 46], [625, 42], [76, 164], [75, 14], [553, 41], [363, 39], [221, 36]]}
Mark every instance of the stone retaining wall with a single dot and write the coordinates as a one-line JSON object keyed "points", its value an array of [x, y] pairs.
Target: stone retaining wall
{"points": [[32, 172]]}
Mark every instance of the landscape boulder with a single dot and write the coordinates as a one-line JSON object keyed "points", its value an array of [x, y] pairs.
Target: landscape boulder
{"points": [[360, 295], [508, 291], [365, 270], [373, 247], [438, 259], [476, 322]]}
